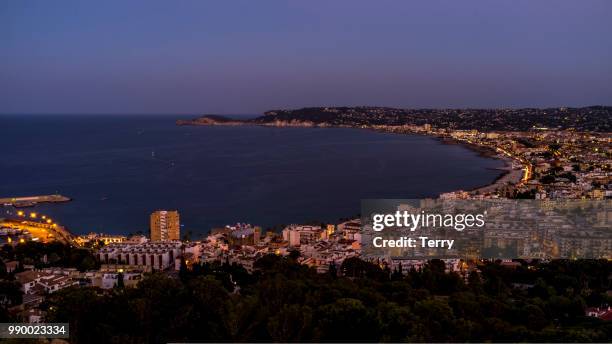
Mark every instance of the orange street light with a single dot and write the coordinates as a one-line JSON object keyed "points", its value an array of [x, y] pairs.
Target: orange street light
{"points": [[20, 213], [33, 215]]}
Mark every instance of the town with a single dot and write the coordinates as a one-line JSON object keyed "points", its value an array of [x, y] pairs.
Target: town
{"points": [[542, 163]]}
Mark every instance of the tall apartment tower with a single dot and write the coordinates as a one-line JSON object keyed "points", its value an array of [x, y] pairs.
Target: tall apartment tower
{"points": [[165, 225]]}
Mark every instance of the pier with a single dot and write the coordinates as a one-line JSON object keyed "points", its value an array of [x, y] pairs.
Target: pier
{"points": [[20, 202]]}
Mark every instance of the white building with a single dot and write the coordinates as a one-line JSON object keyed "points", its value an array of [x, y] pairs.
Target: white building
{"points": [[350, 229], [41, 282], [297, 235], [156, 255]]}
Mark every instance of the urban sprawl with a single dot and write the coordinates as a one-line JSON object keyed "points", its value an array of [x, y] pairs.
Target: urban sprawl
{"points": [[550, 154]]}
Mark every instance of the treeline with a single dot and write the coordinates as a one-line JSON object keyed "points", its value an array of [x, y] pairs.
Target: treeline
{"points": [[39, 256], [284, 301], [42, 255]]}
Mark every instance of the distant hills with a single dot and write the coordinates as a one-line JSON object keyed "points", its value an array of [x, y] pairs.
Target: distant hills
{"points": [[591, 118]]}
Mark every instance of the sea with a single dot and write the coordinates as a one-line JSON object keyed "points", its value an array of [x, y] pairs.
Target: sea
{"points": [[117, 169]]}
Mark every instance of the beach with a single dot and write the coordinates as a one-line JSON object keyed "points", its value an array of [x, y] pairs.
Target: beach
{"points": [[509, 176]]}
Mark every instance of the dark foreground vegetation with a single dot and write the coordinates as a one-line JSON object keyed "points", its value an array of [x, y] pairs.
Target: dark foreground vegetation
{"points": [[284, 301]]}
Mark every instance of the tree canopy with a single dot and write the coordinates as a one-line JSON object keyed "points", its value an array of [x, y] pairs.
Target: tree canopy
{"points": [[283, 301]]}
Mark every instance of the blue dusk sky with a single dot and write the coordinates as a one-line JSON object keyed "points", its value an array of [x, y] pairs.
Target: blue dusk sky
{"points": [[232, 57]]}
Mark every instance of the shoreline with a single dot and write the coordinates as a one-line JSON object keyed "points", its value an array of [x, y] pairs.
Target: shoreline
{"points": [[508, 174]]}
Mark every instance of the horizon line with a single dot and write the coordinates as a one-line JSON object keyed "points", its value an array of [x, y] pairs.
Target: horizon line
{"points": [[203, 113]]}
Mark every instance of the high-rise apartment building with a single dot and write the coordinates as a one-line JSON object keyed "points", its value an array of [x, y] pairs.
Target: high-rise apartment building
{"points": [[165, 225]]}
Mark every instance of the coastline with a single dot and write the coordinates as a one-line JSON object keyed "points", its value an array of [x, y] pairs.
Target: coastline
{"points": [[508, 174]]}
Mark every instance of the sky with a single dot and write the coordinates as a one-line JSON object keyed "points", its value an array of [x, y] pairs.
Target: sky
{"points": [[246, 57]]}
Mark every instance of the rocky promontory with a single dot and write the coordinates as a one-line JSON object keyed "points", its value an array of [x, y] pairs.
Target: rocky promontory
{"points": [[211, 120]]}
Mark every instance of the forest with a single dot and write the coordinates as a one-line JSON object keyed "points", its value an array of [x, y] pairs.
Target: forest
{"points": [[283, 301]]}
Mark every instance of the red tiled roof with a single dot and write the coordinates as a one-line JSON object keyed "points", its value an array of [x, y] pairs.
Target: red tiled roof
{"points": [[607, 316]]}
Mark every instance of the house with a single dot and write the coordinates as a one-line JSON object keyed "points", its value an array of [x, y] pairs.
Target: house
{"points": [[603, 313], [41, 282], [54, 283], [11, 266], [33, 316], [28, 279]]}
